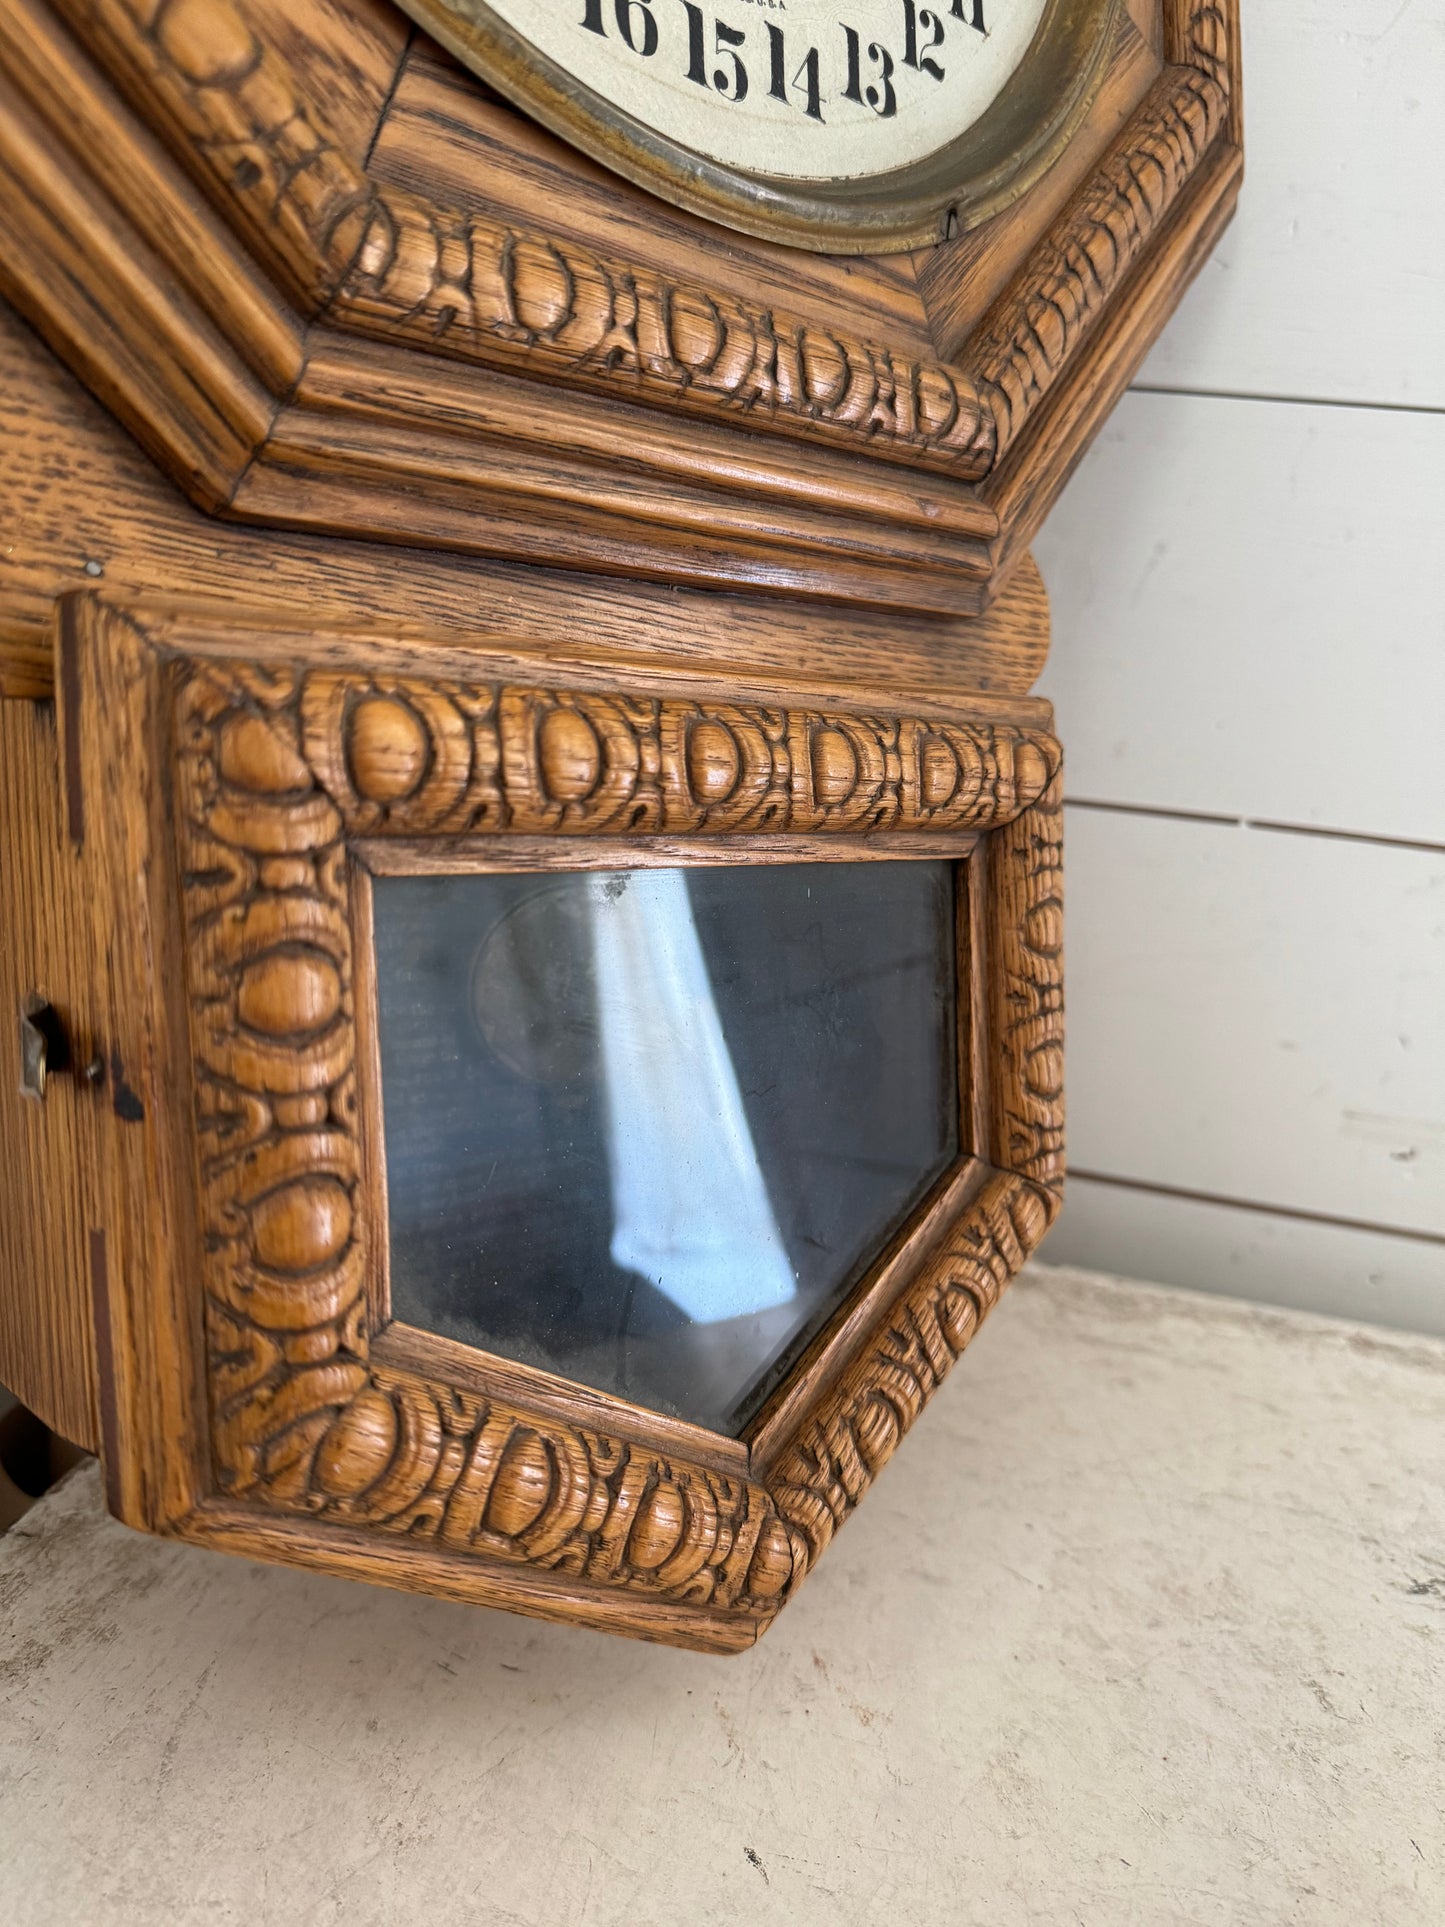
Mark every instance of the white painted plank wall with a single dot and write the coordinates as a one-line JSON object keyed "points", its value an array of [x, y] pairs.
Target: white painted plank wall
{"points": [[1301, 1263], [1329, 283], [1259, 1015], [1248, 575], [1249, 611]]}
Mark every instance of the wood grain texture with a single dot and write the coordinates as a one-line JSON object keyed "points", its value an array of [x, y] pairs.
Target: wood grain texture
{"points": [[1036, 328], [347, 51], [380, 1467], [103, 301], [459, 458], [960, 280], [421, 856], [528, 357], [228, 104], [448, 1361], [139, 1207], [67, 95], [409, 267], [83, 505], [843, 1444], [445, 136], [391, 386], [47, 1350]]}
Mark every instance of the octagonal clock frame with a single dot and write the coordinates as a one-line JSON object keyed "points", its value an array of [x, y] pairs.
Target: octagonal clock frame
{"points": [[458, 422]]}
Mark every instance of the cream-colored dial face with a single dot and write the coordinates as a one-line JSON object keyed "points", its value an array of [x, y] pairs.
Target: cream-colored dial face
{"points": [[825, 90]]}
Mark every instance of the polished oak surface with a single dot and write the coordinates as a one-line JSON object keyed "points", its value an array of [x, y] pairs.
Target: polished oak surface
{"points": [[583, 536]]}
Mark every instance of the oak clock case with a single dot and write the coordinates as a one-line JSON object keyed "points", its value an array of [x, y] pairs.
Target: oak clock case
{"points": [[532, 868], [887, 127]]}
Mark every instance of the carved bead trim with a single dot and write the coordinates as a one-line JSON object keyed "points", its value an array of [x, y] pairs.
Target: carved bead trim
{"points": [[401, 757], [258, 147], [275, 769], [843, 1445], [1062, 290], [385, 262], [1027, 992], [474, 1476], [458, 284]]}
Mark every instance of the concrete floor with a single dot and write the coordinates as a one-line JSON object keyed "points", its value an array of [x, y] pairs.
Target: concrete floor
{"points": [[1145, 1624]]}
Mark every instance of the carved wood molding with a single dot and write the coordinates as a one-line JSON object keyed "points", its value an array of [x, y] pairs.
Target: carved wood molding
{"points": [[1026, 989], [841, 1446], [457, 284], [845, 1442], [1030, 335], [401, 757], [174, 314], [276, 770], [231, 108], [387, 263]]}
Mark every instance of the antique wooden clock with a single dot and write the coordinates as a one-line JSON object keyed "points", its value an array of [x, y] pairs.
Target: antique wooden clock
{"points": [[531, 873]]}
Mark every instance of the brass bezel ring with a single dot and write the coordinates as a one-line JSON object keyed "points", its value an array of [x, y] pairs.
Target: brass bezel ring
{"points": [[958, 186]]}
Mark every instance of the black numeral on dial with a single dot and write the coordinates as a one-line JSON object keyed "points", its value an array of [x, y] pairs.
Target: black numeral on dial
{"points": [[914, 22], [880, 97]]}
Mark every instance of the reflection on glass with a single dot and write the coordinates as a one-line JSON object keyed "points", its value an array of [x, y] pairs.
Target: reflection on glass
{"points": [[690, 1211], [644, 1129]]}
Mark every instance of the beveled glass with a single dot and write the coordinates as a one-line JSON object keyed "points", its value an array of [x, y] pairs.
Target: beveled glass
{"points": [[645, 1129]]}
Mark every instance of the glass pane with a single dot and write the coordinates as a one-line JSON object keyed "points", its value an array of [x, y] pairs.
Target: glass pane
{"points": [[645, 1128]]}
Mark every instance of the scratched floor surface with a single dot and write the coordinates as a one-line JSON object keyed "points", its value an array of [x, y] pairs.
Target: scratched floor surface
{"points": [[1145, 1625]]}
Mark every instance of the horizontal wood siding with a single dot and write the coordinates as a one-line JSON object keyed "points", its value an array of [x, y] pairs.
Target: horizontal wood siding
{"points": [[1331, 283], [1249, 614], [1251, 1252], [1258, 1016]]}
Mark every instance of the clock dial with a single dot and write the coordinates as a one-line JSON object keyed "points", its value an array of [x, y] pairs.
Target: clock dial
{"points": [[805, 89], [846, 125]]}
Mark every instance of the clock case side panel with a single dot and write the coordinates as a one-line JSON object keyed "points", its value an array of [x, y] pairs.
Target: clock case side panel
{"points": [[302, 1449], [47, 1350]]}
